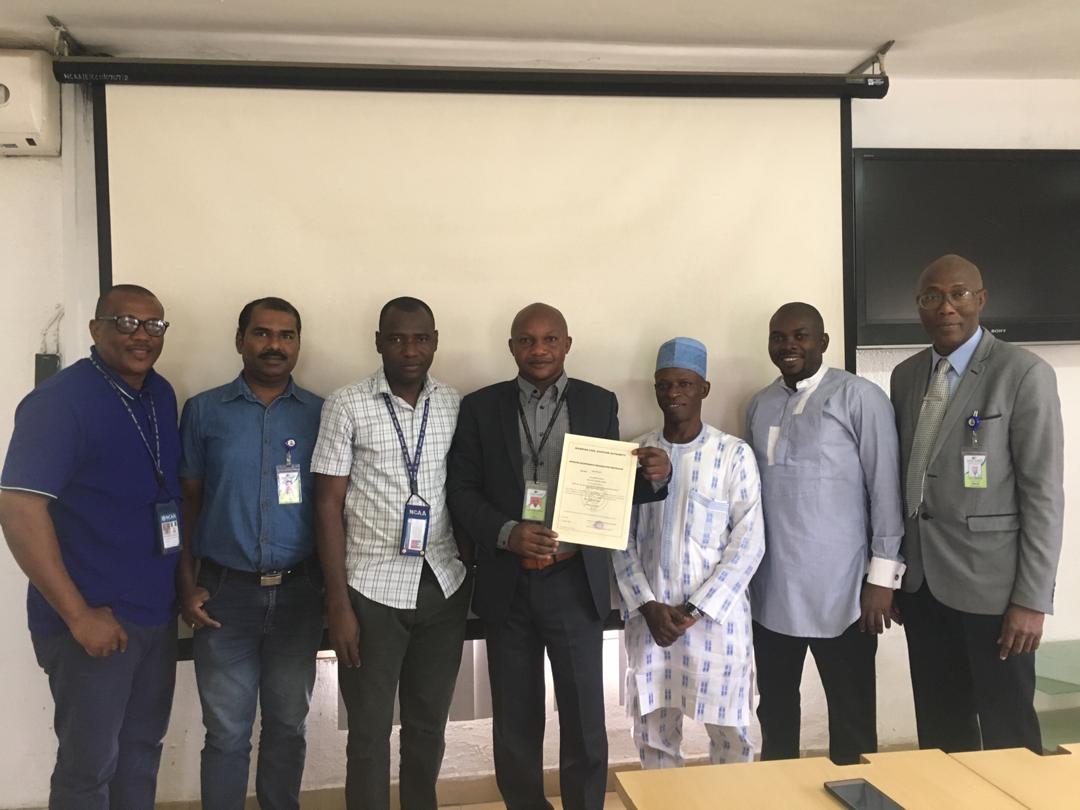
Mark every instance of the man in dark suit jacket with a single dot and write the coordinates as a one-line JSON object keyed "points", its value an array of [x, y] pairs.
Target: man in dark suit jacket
{"points": [[984, 503], [533, 592]]}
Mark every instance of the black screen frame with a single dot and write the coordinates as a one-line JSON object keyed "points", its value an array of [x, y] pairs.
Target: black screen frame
{"points": [[870, 334], [98, 72]]}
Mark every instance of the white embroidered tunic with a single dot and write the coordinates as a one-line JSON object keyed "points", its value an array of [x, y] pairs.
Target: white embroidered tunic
{"points": [[702, 544]]}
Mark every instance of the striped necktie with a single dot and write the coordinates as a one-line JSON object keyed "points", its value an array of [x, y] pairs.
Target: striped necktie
{"points": [[930, 415]]}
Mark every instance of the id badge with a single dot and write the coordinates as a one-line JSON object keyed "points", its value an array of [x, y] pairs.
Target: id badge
{"points": [[168, 526], [288, 483], [975, 469], [414, 530], [534, 507]]}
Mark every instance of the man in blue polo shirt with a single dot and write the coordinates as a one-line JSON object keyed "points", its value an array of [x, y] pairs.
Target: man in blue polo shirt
{"points": [[256, 604], [89, 510]]}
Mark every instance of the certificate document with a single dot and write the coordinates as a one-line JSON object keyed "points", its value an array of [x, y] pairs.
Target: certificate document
{"points": [[596, 491]]}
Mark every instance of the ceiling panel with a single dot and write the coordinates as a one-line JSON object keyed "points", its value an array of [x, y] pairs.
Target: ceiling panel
{"points": [[969, 38]]}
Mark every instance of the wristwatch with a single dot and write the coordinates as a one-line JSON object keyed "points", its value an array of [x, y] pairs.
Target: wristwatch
{"points": [[692, 610]]}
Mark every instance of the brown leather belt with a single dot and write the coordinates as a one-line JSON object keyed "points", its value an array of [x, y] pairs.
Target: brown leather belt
{"points": [[540, 563]]}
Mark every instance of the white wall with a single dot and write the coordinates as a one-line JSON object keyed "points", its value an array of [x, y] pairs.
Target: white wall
{"points": [[30, 264], [43, 263]]}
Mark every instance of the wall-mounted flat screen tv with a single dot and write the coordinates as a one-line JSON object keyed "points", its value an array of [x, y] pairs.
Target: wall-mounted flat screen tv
{"points": [[1015, 213]]}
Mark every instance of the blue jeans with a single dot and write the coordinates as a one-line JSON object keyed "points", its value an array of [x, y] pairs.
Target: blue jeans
{"points": [[264, 652], [111, 717]]}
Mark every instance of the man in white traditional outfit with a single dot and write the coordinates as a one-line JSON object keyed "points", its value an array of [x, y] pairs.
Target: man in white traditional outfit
{"points": [[684, 576]]}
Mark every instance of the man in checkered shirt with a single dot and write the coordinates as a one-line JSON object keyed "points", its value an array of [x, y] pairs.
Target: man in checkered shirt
{"points": [[396, 591]]}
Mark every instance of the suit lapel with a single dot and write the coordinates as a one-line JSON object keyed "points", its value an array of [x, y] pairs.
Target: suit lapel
{"points": [[508, 422], [576, 415], [573, 417], [960, 402]]}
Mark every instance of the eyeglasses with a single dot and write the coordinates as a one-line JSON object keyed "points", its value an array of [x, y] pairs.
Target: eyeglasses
{"points": [[129, 324], [957, 297]]}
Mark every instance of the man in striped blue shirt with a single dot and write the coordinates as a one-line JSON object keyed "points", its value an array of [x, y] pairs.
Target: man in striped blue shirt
{"points": [[827, 449]]}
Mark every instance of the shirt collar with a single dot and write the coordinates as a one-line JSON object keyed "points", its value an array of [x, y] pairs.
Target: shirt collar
{"points": [[124, 388], [961, 356], [239, 388], [382, 385], [528, 390], [809, 384], [694, 442]]}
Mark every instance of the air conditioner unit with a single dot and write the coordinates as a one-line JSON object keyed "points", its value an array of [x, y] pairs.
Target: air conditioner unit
{"points": [[29, 104]]}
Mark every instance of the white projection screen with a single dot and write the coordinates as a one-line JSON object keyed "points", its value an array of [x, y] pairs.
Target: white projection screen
{"points": [[640, 218]]}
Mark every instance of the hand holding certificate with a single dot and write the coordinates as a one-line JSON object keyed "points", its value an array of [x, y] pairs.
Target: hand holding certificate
{"points": [[596, 491]]}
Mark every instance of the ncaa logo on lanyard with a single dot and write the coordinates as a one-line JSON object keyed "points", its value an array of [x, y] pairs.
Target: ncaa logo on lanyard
{"points": [[416, 520]]}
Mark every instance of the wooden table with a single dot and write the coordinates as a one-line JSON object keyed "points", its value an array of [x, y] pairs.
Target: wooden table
{"points": [[1041, 783], [918, 780]]}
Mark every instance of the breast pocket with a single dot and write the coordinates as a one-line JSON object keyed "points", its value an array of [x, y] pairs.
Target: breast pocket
{"points": [[991, 428], [994, 523], [706, 521], [797, 456]]}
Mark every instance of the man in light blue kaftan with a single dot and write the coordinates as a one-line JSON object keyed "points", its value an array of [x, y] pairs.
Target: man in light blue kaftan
{"points": [[828, 453], [684, 575]]}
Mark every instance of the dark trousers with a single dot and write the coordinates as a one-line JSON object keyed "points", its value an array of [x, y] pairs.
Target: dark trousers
{"points": [[553, 610], [966, 698], [846, 666], [110, 719], [417, 653]]}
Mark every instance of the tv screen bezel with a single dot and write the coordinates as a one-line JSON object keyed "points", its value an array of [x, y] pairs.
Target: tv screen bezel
{"points": [[875, 334]]}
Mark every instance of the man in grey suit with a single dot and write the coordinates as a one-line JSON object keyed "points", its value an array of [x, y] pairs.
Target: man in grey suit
{"points": [[982, 454]]}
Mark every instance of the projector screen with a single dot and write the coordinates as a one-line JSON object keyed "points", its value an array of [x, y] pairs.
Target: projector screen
{"points": [[640, 218]]}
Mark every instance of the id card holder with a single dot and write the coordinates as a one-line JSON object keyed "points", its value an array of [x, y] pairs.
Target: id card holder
{"points": [[975, 467], [168, 527], [414, 529], [288, 483], [534, 507]]}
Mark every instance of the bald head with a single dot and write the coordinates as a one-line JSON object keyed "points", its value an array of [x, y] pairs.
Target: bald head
{"points": [[803, 312], [107, 300], [950, 296], [538, 310], [539, 343], [950, 269]]}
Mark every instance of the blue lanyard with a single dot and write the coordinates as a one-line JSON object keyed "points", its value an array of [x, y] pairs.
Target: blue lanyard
{"points": [[155, 452], [412, 466]]}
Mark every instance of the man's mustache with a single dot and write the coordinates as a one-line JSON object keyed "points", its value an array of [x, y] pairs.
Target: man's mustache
{"points": [[271, 353]]}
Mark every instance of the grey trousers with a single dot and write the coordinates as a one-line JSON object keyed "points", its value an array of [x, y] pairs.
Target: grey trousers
{"points": [[419, 651]]}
